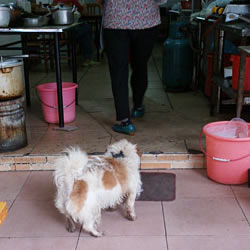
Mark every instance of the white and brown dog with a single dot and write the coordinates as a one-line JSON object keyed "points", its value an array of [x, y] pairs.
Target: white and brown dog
{"points": [[86, 186]]}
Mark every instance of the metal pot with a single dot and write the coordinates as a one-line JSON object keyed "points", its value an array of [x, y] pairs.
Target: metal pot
{"points": [[11, 79], [4, 16], [63, 16], [35, 21]]}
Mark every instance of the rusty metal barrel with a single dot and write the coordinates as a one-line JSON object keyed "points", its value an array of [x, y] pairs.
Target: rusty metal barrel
{"points": [[13, 134]]}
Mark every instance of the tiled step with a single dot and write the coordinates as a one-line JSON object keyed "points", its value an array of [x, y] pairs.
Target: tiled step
{"points": [[148, 161]]}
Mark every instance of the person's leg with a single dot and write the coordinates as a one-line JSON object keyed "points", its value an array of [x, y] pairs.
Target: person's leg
{"points": [[116, 43], [83, 34], [142, 43]]}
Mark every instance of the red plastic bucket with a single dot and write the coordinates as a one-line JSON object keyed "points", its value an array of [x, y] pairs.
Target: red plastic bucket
{"points": [[227, 159], [48, 98]]}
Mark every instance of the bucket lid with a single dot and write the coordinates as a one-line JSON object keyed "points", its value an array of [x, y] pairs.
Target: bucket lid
{"points": [[6, 63]]}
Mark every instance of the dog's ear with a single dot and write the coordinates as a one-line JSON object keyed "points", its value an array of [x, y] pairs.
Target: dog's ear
{"points": [[138, 151]]}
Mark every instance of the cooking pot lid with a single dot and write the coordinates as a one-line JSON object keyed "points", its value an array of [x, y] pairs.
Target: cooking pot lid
{"points": [[4, 7], [6, 63], [62, 7]]}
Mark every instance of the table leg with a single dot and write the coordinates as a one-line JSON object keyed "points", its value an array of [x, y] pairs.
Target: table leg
{"points": [[240, 91], [198, 57], [59, 81], [74, 67], [26, 70], [217, 67], [97, 35], [221, 51]]}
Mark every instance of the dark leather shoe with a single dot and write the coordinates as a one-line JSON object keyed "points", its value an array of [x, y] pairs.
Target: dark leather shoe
{"points": [[128, 129], [138, 113]]}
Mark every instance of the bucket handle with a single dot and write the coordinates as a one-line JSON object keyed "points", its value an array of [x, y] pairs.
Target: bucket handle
{"points": [[54, 107], [217, 158]]}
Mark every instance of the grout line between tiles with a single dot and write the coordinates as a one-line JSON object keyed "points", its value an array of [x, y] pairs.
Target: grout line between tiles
{"points": [[165, 226], [78, 238], [235, 196], [166, 94], [20, 190], [38, 141]]}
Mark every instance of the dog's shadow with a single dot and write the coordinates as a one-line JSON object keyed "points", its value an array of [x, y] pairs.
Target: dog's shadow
{"points": [[120, 209]]}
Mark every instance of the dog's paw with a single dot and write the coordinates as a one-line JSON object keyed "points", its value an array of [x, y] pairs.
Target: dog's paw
{"points": [[71, 228], [70, 225], [131, 217], [97, 233]]}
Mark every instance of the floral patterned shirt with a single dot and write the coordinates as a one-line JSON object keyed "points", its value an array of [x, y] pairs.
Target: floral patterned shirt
{"points": [[131, 14]]}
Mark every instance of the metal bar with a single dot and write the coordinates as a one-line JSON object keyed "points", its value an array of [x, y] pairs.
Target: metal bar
{"points": [[44, 29], [9, 44], [74, 67], [241, 84], [218, 99], [217, 67], [198, 57], [16, 56], [59, 81], [239, 29], [26, 70], [12, 48], [97, 38], [221, 51]]}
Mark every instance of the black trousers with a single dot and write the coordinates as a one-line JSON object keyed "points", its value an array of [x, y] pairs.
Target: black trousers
{"points": [[122, 46]]}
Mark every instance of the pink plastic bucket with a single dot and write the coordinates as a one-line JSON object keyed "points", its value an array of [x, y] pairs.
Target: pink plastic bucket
{"points": [[48, 98], [228, 159]]}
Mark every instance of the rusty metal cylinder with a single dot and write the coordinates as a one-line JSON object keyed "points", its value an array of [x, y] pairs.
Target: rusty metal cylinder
{"points": [[13, 134], [11, 79]]}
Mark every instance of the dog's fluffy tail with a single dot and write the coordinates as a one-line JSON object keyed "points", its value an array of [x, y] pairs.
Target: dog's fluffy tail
{"points": [[70, 167]]}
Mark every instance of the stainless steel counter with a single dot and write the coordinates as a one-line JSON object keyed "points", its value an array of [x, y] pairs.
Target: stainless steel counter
{"points": [[42, 29], [238, 28]]}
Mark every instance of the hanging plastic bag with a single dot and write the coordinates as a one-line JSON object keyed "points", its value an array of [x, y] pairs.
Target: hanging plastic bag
{"points": [[236, 128]]}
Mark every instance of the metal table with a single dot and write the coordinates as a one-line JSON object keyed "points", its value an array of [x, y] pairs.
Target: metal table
{"points": [[241, 30], [55, 30]]}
